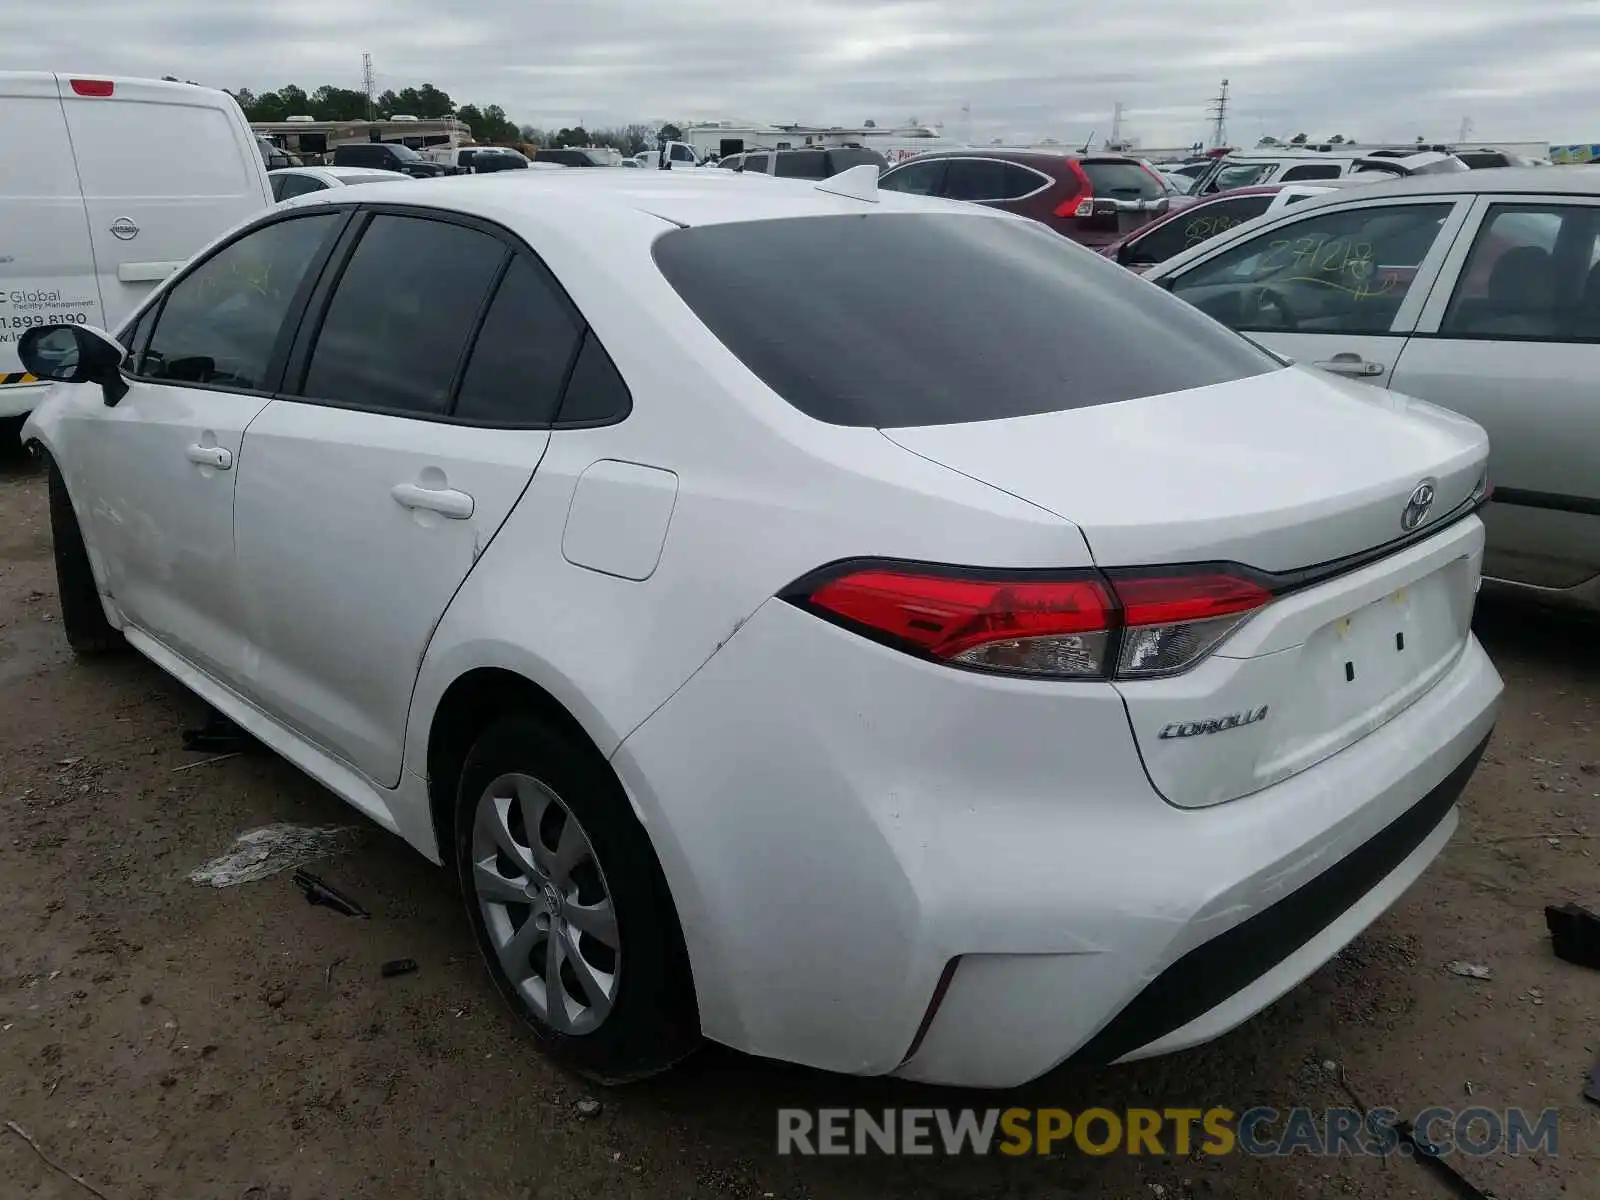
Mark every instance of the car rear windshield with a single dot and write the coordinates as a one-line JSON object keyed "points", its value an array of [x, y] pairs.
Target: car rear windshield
{"points": [[1121, 180], [901, 319]]}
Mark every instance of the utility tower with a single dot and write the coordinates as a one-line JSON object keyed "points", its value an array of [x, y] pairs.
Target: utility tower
{"points": [[368, 85], [1115, 143], [1219, 116], [1466, 130]]}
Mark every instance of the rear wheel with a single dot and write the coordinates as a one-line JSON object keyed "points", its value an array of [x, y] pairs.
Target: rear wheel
{"points": [[83, 617], [569, 906]]}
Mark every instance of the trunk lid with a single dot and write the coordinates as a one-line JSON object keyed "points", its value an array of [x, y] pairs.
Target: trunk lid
{"points": [[1279, 472]]}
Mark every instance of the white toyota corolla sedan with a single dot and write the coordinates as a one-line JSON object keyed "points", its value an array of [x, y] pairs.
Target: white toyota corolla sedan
{"points": [[860, 629]]}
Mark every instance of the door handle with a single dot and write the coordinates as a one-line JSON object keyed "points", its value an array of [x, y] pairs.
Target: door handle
{"points": [[1350, 364], [447, 502], [211, 456]]}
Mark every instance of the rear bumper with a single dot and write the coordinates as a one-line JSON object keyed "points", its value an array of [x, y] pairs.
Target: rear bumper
{"points": [[839, 823], [1232, 975]]}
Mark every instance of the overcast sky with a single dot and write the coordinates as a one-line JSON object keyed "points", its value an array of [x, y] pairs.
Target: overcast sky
{"points": [[1025, 69]]}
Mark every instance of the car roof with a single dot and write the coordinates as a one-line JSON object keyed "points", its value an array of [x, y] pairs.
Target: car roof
{"points": [[566, 199], [1563, 181], [351, 172], [1022, 155]]}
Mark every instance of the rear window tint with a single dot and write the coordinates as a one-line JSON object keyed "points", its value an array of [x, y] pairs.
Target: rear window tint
{"points": [[1122, 180], [902, 319], [803, 164]]}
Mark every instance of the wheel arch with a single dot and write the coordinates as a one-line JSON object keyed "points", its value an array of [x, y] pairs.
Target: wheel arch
{"points": [[469, 705]]}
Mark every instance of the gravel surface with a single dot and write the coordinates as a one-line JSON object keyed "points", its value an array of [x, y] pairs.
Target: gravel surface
{"points": [[164, 1039]]}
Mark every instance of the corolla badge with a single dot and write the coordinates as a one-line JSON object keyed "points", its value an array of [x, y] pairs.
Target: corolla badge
{"points": [[1416, 509], [124, 230], [1189, 729]]}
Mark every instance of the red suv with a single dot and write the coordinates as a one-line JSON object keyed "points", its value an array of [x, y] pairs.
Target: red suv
{"points": [[1092, 198]]}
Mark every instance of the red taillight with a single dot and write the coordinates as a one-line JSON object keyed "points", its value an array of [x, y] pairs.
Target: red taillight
{"points": [[1031, 626], [1081, 625], [1173, 621], [1081, 202], [1161, 600], [93, 87]]}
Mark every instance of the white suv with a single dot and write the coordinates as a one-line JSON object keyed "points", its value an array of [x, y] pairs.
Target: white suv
{"points": [[1253, 167], [777, 645]]}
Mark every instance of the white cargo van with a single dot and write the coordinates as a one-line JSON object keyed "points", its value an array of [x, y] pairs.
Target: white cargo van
{"points": [[106, 187]]}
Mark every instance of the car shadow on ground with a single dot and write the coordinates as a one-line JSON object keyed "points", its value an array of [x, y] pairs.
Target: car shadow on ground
{"points": [[1554, 639]]}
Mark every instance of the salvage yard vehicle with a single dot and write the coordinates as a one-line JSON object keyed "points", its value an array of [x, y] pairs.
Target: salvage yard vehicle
{"points": [[788, 691], [289, 182], [1246, 168], [90, 220], [387, 156], [1204, 219], [1091, 198], [820, 162], [1479, 291]]}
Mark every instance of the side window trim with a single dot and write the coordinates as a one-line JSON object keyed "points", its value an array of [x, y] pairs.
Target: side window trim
{"points": [[519, 251], [1450, 272], [278, 360], [314, 308], [1428, 270], [473, 330]]}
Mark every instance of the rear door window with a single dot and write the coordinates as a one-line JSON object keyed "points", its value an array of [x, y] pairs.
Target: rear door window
{"points": [[1524, 260], [880, 326], [987, 179], [397, 325], [916, 178], [523, 351]]}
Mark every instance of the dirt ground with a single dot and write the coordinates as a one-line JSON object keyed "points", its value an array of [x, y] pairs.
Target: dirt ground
{"points": [[162, 1039]]}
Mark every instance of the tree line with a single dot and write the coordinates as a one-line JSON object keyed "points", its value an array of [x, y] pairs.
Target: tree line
{"points": [[489, 123]]}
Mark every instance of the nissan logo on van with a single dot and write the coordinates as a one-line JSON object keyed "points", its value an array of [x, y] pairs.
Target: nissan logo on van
{"points": [[124, 230]]}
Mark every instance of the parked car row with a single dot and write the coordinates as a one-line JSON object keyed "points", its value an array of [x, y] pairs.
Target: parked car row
{"points": [[1093, 199], [1478, 291]]}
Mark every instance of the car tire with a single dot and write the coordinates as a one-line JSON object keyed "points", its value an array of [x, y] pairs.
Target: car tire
{"points": [[83, 616], [622, 1011]]}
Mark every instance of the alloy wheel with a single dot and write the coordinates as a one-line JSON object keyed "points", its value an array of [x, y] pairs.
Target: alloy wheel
{"points": [[546, 904]]}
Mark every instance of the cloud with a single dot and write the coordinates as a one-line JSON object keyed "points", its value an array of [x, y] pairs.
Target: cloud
{"points": [[1022, 69]]}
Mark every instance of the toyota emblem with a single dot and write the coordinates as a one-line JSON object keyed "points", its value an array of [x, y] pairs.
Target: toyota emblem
{"points": [[124, 230], [1416, 509]]}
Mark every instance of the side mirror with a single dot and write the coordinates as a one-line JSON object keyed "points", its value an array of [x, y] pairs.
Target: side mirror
{"points": [[1125, 253], [75, 354]]}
